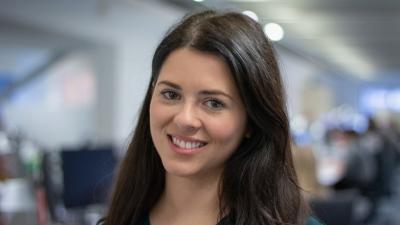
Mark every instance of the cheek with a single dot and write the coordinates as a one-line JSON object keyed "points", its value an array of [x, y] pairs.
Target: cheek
{"points": [[157, 114], [156, 119], [228, 131]]}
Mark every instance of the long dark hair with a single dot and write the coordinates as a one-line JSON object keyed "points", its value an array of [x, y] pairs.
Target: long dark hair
{"points": [[259, 184]]}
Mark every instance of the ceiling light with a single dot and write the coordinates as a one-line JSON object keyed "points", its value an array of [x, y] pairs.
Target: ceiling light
{"points": [[246, 1], [274, 31], [251, 14], [198, 0]]}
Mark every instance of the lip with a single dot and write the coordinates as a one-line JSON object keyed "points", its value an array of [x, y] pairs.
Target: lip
{"points": [[185, 151]]}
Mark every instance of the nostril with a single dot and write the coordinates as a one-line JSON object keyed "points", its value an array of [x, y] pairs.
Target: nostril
{"points": [[187, 124]]}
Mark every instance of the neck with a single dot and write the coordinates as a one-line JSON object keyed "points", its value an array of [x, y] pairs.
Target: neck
{"points": [[187, 199]]}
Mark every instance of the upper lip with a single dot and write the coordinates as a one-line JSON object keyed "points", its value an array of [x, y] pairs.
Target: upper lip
{"points": [[188, 139]]}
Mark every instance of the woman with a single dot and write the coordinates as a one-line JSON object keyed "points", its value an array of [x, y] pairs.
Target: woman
{"points": [[212, 141]]}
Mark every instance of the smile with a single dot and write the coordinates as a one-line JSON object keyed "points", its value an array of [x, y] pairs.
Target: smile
{"points": [[186, 144]]}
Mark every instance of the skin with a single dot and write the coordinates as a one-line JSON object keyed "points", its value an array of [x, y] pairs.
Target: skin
{"points": [[195, 100]]}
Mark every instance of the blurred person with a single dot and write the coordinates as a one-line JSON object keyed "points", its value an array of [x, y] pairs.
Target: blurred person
{"points": [[212, 143], [348, 169], [392, 136], [360, 166], [386, 125], [377, 142]]}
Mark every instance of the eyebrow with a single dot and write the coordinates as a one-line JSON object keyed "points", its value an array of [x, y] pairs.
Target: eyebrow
{"points": [[203, 92], [168, 83]]}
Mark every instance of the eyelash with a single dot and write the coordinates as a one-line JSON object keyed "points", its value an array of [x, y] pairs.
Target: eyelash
{"points": [[166, 94], [220, 104]]}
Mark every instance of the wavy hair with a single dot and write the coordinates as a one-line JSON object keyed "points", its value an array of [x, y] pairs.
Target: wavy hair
{"points": [[259, 184]]}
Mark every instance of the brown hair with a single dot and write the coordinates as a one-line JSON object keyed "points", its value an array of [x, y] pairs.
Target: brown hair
{"points": [[259, 184]]}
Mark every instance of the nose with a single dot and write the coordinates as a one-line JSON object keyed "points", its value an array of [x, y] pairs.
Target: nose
{"points": [[186, 119]]}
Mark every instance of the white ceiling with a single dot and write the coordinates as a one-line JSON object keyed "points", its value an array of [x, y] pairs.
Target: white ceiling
{"points": [[31, 31], [360, 38]]}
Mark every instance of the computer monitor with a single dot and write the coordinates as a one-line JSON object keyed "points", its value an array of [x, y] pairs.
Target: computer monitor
{"points": [[87, 176]]}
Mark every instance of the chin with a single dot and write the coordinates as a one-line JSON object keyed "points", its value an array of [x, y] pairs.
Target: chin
{"points": [[185, 168], [180, 170]]}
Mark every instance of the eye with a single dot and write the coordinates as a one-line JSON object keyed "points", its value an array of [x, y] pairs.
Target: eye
{"points": [[215, 104], [170, 94]]}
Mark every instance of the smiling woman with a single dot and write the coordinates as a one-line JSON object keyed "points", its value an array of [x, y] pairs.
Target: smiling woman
{"points": [[197, 118], [212, 141]]}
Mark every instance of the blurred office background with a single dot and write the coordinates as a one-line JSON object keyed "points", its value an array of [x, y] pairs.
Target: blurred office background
{"points": [[73, 75]]}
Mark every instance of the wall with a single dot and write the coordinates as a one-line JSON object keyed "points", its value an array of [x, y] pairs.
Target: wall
{"points": [[124, 34]]}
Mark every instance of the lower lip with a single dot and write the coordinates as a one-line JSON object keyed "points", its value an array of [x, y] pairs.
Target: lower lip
{"points": [[184, 151]]}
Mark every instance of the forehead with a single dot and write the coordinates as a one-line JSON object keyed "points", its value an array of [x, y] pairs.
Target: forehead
{"points": [[193, 67]]}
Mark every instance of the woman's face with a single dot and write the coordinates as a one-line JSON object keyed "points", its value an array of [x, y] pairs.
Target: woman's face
{"points": [[197, 118]]}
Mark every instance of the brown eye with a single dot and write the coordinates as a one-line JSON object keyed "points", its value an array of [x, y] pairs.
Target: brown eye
{"points": [[170, 95], [215, 104]]}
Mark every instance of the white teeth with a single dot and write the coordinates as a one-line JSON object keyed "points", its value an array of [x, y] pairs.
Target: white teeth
{"points": [[181, 144], [186, 144]]}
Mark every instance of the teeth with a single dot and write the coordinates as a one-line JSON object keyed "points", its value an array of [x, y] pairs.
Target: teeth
{"points": [[186, 144]]}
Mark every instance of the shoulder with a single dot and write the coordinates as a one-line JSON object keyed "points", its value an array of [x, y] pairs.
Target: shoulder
{"points": [[313, 221], [145, 220]]}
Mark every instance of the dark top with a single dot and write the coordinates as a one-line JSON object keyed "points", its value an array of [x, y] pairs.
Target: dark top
{"points": [[225, 221]]}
